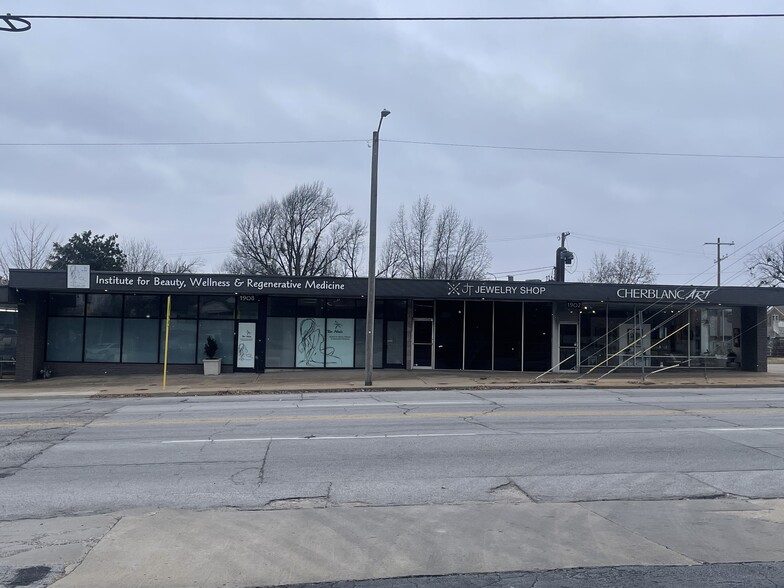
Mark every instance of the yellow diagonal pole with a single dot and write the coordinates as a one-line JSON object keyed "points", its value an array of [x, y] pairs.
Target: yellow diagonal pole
{"points": [[166, 340]]}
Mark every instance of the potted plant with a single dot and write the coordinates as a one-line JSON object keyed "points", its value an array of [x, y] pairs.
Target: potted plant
{"points": [[212, 365]]}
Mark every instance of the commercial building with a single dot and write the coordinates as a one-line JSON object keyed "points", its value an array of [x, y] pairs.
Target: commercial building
{"points": [[85, 322]]}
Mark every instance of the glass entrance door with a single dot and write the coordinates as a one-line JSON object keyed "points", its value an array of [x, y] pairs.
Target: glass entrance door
{"points": [[567, 347], [423, 344]]}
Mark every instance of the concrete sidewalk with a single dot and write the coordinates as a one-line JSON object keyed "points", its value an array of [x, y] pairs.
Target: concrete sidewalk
{"points": [[170, 548], [342, 380]]}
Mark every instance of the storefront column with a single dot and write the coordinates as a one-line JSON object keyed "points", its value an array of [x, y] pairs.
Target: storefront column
{"points": [[754, 346], [31, 335]]}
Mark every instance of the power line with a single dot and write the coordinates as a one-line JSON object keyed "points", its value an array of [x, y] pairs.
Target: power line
{"points": [[577, 17], [179, 143], [594, 151], [400, 141]]}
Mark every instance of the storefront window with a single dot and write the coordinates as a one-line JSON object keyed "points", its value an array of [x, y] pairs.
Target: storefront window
{"points": [[449, 335], [102, 340], [216, 307], [339, 350], [624, 336], [223, 333], [715, 337], [593, 334], [182, 307], [104, 304], [311, 342], [280, 342], [669, 336], [508, 336], [537, 336], [142, 306], [378, 343], [64, 339], [66, 304], [182, 341], [140, 340], [478, 335], [248, 308], [7, 341]]}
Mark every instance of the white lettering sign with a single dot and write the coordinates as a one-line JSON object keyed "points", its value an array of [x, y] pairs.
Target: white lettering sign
{"points": [[695, 294]]}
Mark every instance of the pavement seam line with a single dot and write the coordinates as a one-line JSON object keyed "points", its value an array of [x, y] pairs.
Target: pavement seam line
{"points": [[638, 534], [79, 562], [264, 463]]}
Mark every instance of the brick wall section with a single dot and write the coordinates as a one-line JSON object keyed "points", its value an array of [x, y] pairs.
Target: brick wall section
{"points": [[63, 368], [31, 336], [753, 339]]}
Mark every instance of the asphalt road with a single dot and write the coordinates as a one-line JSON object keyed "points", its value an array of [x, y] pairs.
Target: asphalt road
{"points": [[65, 457]]}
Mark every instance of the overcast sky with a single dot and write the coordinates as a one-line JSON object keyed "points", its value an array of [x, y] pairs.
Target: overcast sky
{"points": [[688, 86]]}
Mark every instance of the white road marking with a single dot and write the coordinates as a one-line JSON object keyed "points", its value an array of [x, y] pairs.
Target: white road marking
{"points": [[749, 429], [331, 438]]}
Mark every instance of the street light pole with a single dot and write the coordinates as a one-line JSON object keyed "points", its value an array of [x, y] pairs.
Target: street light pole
{"points": [[371, 296]]}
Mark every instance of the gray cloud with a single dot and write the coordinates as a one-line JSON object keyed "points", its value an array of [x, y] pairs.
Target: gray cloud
{"points": [[694, 86]]}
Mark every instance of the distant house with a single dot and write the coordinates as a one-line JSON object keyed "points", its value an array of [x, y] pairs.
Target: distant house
{"points": [[776, 331]]}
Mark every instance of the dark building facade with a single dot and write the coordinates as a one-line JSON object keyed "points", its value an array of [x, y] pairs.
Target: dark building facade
{"points": [[82, 322]]}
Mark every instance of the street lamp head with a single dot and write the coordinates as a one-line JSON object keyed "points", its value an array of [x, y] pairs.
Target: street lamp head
{"points": [[384, 113]]}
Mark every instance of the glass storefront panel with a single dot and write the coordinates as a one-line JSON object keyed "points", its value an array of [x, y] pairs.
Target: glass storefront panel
{"points": [[64, 339], [423, 309], [621, 336], [310, 342], [341, 307], [247, 308], [396, 342], [216, 307], [311, 307], [102, 340], [7, 341], [378, 343], [182, 307], [142, 306], [715, 337], [140, 340], [449, 334], [182, 341], [281, 306], [508, 336], [281, 342], [478, 335], [537, 336], [66, 304], [593, 335], [339, 350], [223, 333], [104, 305], [669, 336]]}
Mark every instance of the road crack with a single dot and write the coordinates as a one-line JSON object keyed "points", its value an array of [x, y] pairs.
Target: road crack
{"points": [[263, 464]]}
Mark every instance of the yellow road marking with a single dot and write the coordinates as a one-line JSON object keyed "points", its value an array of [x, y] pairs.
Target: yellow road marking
{"points": [[388, 416]]}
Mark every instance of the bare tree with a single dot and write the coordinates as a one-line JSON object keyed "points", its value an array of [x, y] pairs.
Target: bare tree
{"points": [[426, 244], [767, 265], [144, 256], [28, 247], [303, 234], [181, 265], [624, 268]]}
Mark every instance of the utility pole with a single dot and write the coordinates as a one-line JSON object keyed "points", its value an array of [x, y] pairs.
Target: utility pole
{"points": [[563, 257], [719, 257], [370, 316]]}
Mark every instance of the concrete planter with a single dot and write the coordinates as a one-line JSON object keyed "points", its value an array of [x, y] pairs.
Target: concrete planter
{"points": [[212, 367]]}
